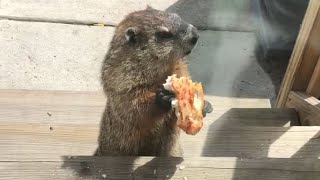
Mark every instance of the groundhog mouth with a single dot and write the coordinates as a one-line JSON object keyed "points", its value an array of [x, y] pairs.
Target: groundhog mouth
{"points": [[187, 53]]}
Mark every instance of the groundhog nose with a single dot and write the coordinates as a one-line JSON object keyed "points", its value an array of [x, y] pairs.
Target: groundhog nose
{"points": [[195, 36], [194, 40]]}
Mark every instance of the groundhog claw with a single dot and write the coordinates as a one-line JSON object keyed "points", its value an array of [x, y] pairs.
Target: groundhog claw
{"points": [[207, 108], [164, 99]]}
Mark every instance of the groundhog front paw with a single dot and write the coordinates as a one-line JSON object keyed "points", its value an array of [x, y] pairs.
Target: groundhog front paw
{"points": [[164, 98], [207, 108]]}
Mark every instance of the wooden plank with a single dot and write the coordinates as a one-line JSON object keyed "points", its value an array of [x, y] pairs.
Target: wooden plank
{"points": [[91, 114], [299, 52], [34, 141], [84, 167], [253, 142], [59, 123], [97, 98], [87, 107], [314, 84], [309, 59], [307, 106], [254, 117], [52, 97]]}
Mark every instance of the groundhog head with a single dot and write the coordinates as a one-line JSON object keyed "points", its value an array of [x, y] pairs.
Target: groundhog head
{"points": [[160, 33], [146, 44]]}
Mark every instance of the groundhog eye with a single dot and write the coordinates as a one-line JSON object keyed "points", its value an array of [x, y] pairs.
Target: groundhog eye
{"points": [[164, 33]]}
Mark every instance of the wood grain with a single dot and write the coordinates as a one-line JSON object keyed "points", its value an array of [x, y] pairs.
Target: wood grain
{"points": [[52, 135], [307, 106], [48, 124], [303, 47], [84, 167], [82, 114], [52, 97], [33, 141], [314, 84], [97, 98], [309, 59], [83, 107]]}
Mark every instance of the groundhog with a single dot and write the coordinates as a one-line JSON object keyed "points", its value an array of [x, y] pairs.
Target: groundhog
{"points": [[147, 47]]}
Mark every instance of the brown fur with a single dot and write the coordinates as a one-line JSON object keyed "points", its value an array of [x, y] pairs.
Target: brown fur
{"points": [[132, 124]]}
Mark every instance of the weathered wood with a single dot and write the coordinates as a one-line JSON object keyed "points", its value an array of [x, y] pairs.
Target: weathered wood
{"points": [[309, 59], [253, 142], [83, 167], [303, 54], [34, 141], [59, 123], [307, 106], [52, 98], [41, 130], [87, 107], [97, 98], [254, 117], [314, 84], [80, 114]]}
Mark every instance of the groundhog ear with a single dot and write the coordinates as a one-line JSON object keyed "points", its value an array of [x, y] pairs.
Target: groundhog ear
{"points": [[130, 34], [149, 7]]}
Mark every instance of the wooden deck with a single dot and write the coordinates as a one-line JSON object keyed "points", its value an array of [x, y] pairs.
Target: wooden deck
{"points": [[83, 167], [52, 135]]}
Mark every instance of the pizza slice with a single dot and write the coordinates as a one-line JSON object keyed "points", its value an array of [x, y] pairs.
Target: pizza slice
{"points": [[188, 104]]}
